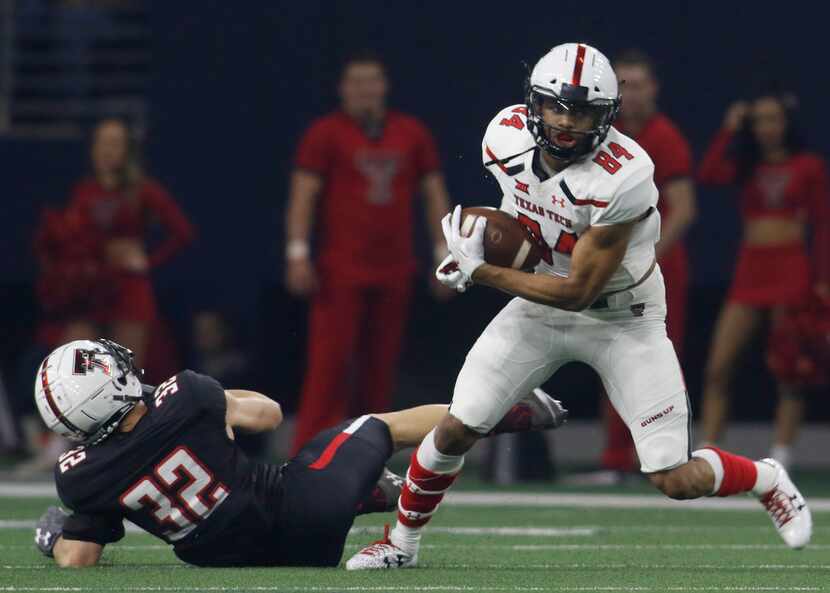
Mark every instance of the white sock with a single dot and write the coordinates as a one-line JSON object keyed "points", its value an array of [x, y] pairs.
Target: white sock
{"points": [[432, 459], [713, 459], [406, 538], [767, 475]]}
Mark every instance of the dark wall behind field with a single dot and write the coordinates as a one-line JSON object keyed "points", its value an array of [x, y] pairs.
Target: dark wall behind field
{"points": [[234, 84]]}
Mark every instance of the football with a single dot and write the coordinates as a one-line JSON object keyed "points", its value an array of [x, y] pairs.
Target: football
{"points": [[506, 242]]}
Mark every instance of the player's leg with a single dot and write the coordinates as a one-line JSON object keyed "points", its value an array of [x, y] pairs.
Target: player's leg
{"points": [[715, 472], [334, 323], [325, 484], [349, 460], [736, 326], [409, 427], [514, 355], [619, 453], [655, 406], [536, 411], [386, 322]]}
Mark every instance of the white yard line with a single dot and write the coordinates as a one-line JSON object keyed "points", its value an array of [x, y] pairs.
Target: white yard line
{"points": [[502, 531], [520, 499], [610, 501], [514, 547], [27, 489], [548, 566], [404, 588]]}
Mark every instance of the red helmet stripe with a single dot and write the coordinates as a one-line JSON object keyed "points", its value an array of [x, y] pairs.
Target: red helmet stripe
{"points": [[50, 399], [580, 61]]}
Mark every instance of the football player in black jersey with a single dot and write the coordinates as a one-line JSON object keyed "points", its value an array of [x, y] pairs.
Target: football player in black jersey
{"points": [[165, 459]]}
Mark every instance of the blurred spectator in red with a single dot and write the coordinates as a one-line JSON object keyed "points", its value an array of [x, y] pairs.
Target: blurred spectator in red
{"points": [[783, 189], [641, 119], [119, 203], [358, 170], [94, 267]]}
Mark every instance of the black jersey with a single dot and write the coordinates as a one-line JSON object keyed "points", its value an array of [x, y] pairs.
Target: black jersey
{"points": [[176, 475]]}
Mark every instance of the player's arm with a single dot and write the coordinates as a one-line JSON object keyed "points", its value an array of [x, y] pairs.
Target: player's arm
{"points": [[251, 411], [680, 195], [299, 219], [596, 255], [302, 200], [436, 205], [75, 540], [70, 553]]}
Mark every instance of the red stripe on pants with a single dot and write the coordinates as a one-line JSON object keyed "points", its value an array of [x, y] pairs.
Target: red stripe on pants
{"points": [[328, 453], [619, 452]]}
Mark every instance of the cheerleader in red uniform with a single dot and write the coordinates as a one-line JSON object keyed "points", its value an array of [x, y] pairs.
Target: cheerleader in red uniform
{"points": [[784, 193], [119, 204]]}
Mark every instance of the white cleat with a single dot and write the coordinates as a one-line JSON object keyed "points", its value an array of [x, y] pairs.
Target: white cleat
{"points": [[788, 509], [381, 554], [535, 411]]}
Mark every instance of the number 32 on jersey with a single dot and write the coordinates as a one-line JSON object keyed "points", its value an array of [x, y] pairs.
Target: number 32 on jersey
{"points": [[178, 506]]}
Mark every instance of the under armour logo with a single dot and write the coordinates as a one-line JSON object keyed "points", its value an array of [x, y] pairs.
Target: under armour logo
{"points": [[558, 201], [799, 505], [397, 560], [42, 538]]}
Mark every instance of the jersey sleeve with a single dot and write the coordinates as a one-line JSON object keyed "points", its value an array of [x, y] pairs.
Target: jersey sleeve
{"points": [[632, 199], [505, 141], [206, 394], [314, 152], [101, 529]]}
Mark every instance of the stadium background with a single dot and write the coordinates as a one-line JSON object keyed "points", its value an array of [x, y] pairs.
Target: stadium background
{"points": [[230, 86]]}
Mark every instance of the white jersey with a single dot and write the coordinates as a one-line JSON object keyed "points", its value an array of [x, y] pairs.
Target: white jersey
{"points": [[611, 185]]}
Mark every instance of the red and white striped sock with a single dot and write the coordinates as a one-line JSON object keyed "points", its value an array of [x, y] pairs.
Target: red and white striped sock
{"points": [[430, 475], [735, 474]]}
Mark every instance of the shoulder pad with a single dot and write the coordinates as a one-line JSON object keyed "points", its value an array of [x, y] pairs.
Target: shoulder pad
{"points": [[506, 137], [623, 160]]}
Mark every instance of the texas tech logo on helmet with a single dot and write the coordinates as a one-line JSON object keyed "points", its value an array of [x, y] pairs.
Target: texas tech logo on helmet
{"points": [[86, 362]]}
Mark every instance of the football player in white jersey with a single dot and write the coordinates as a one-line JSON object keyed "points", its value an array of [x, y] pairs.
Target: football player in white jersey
{"points": [[587, 194]]}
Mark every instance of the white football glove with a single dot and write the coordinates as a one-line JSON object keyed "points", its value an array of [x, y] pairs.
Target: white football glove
{"points": [[468, 252], [449, 275]]}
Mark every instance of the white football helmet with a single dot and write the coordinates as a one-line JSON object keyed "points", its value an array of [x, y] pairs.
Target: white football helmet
{"points": [[577, 78], [84, 388]]}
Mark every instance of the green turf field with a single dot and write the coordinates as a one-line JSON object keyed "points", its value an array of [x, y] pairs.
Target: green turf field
{"points": [[548, 548]]}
